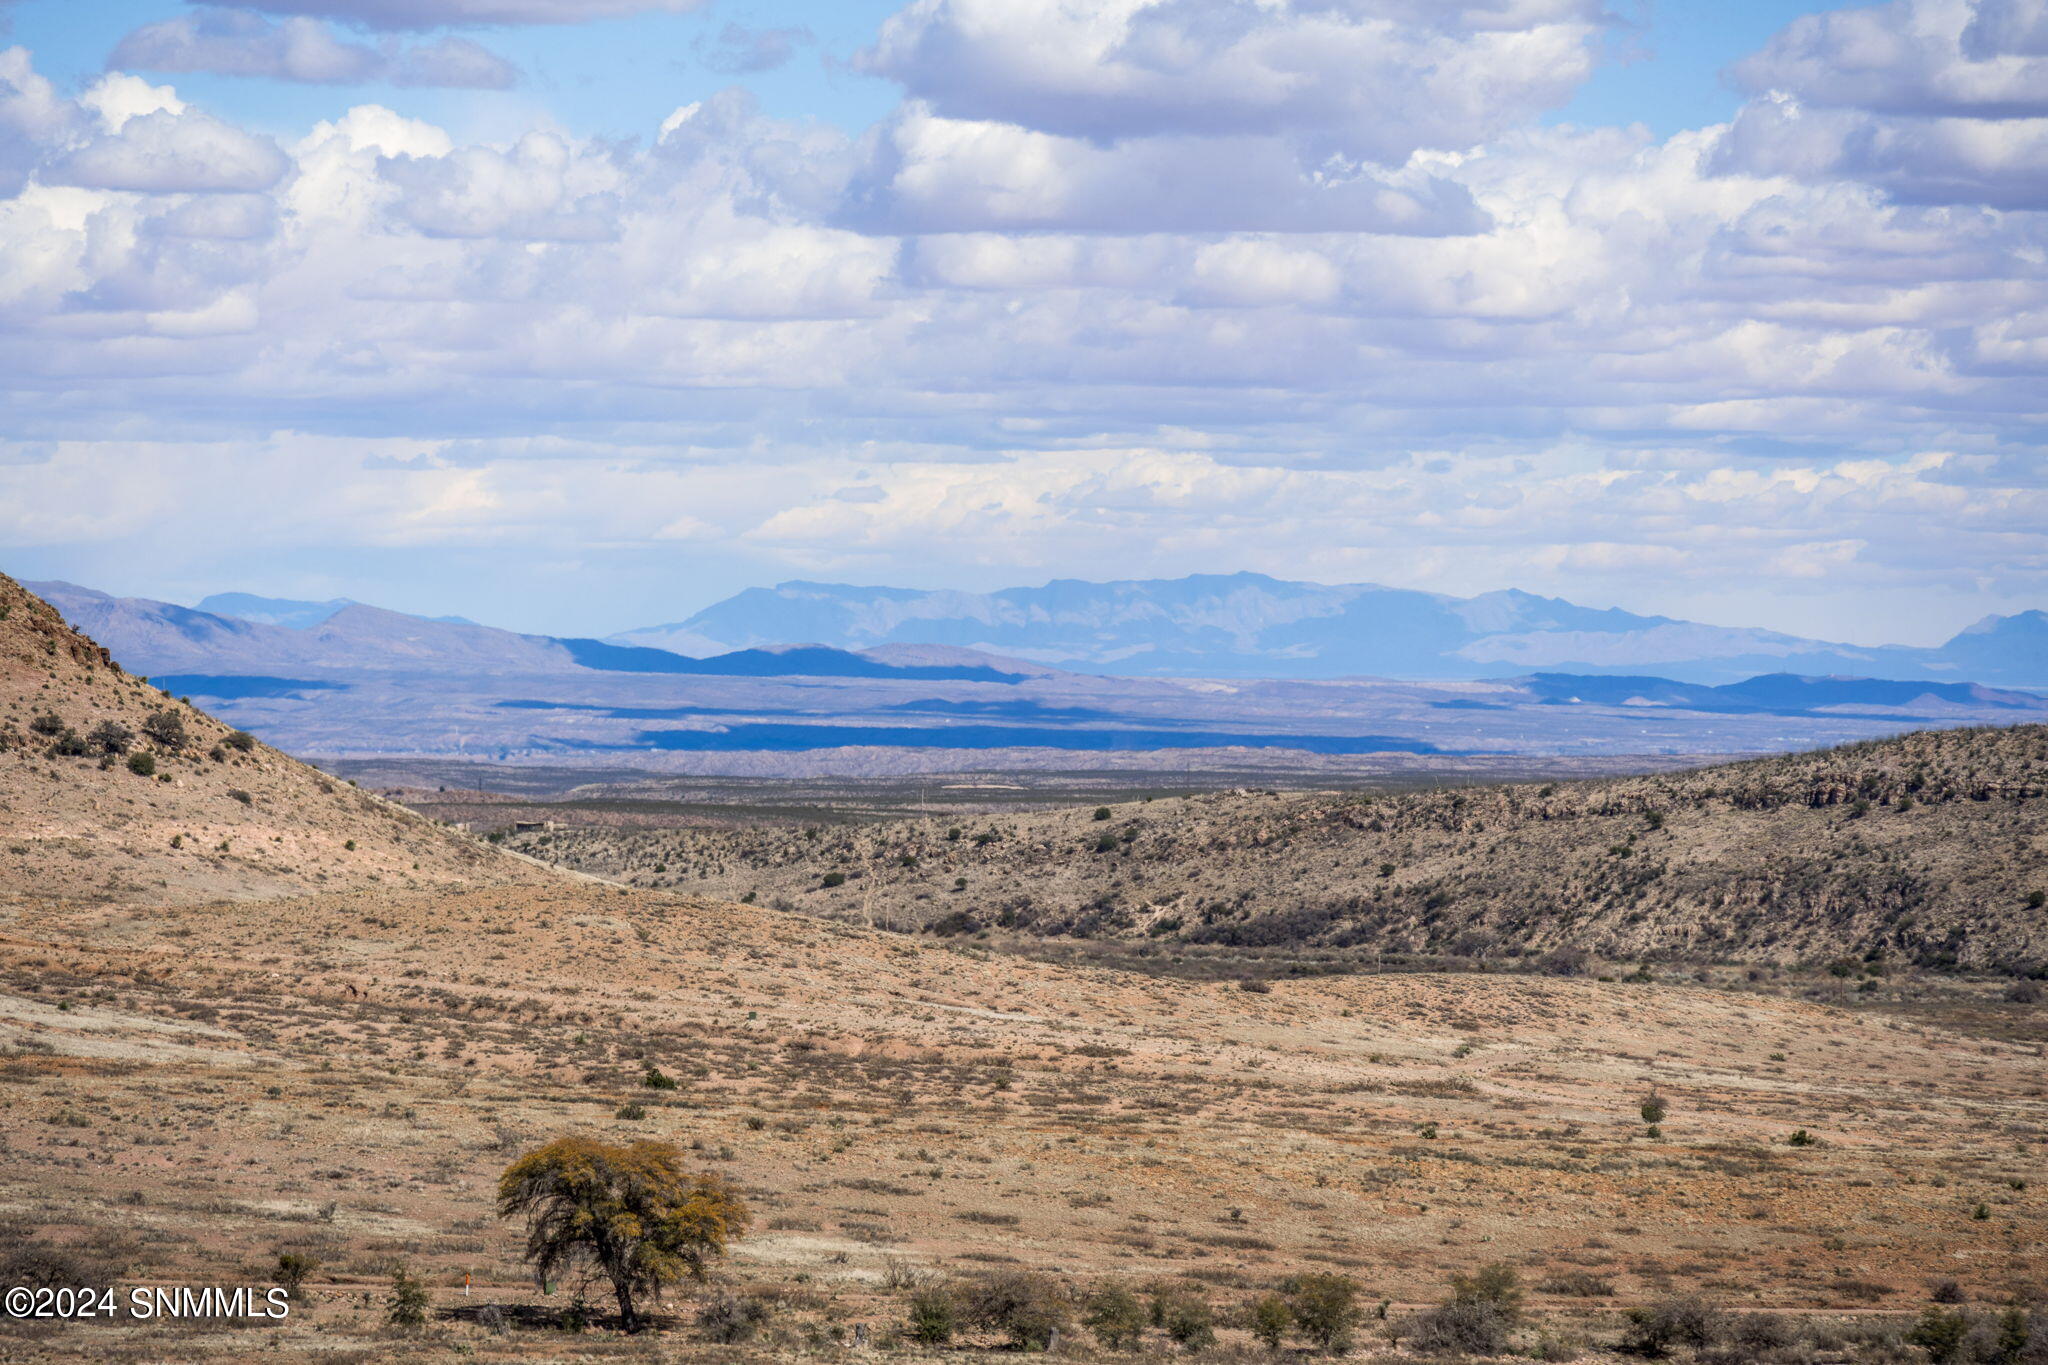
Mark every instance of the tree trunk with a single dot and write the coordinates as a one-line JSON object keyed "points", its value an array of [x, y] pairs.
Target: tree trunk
{"points": [[626, 1318]]}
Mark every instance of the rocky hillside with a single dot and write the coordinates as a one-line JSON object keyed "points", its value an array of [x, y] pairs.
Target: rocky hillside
{"points": [[109, 789], [1924, 849]]}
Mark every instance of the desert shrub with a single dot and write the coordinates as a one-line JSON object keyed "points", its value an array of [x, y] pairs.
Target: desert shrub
{"points": [[1270, 1320], [1945, 1291], [1185, 1316], [142, 765], [732, 1318], [1578, 1284], [1940, 1333], [933, 1315], [654, 1078], [1025, 1307], [1102, 812], [1115, 1316], [407, 1303], [241, 741], [71, 744], [831, 879], [631, 1213], [2024, 993], [49, 724], [1653, 1109], [292, 1271], [631, 1113], [1565, 962], [1802, 1138], [166, 728], [237, 794], [1325, 1308], [1493, 1286], [38, 1265], [1460, 1328], [1654, 1330], [111, 737], [1255, 986], [1753, 1336]]}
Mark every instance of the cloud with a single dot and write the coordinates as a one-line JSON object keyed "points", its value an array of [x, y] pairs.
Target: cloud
{"points": [[1933, 101], [967, 341], [1374, 80], [1943, 58], [169, 152], [2000, 162], [231, 42], [933, 174], [454, 62], [32, 116], [740, 50], [427, 14]]}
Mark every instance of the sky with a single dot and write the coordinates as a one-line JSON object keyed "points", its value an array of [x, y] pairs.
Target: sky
{"points": [[579, 315]]}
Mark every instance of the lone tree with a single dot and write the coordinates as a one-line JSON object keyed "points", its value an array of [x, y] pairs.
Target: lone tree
{"points": [[630, 1214]]}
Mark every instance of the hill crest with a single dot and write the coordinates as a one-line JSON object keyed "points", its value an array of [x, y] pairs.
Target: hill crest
{"points": [[113, 790]]}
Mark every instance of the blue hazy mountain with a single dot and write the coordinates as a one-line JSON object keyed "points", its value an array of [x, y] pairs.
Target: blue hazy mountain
{"points": [[273, 611], [186, 643], [290, 612], [1249, 625]]}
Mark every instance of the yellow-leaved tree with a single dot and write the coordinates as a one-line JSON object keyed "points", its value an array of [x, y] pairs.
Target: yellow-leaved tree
{"points": [[631, 1214]]}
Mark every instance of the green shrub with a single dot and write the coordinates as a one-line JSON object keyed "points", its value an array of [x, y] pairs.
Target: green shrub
{"points": [[832, 879], [241, 740], [111, 737], [49, 724], [167, 728], [1185, 1317], [142, 764], [1025, 1307], [1325, 1308], [1653, 1331], [1940, 1333], [293, 1270], [1102, 812], [407, 1303], [1271, 1318], [1494, 1286], [1115, 1316], [933, 1316]]}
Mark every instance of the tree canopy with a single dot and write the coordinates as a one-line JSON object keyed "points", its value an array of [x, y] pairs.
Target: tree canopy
{"points": [[631, 1214]]}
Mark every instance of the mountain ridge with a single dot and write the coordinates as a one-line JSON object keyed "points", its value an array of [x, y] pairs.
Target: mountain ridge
{"points": [[1255, 625]]}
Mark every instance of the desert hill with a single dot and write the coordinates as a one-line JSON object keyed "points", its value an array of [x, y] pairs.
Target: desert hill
{"points": [[1928, 848], [109, 789]]}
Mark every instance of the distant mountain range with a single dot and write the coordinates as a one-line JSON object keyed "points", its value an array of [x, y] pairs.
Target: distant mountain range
{"points": [[162, 638], [341, 678], [1248, 625]]}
